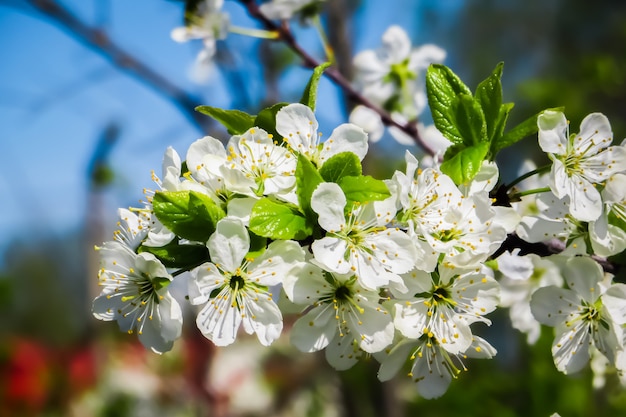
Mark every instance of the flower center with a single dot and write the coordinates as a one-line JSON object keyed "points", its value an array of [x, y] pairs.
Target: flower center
{"points": [[236, 283]]}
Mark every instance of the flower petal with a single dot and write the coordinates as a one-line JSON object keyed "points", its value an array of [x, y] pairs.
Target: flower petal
{"points": [[229, 244], [552, 132], [347, 137], [328, 201], [296, 123]]}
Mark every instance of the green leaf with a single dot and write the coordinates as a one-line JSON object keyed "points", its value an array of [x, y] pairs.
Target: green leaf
{"points": [[309, 97], [363, 189], [463, 165], [503, 116], [343, 164], [442, 88], [526, 128], [468, 117], [278, 220], [307, 180], [266, 119], [236, 122], [188, 214], [258, 244], [174, 255], [489, 97]]}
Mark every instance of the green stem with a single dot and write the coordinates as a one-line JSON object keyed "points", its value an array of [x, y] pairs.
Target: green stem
{"points": [[255, 33], [539, 170], [517, 196], [330, 54]]}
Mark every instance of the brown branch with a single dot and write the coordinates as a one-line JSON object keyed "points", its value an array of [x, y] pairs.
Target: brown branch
{"points": [[99, 41], [551, 247], [285, 35]]}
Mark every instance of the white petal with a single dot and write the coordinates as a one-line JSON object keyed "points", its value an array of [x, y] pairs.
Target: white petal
{"points": [[276, 263], [570, 348], [305, 284], [394, 249], [552, 132], [430, 371], [396, 44], [342, 352], [425, 55], [204, 279], [373, 328], [171, 317], [201, 148], [585, 200], [329, 252], [583, 275], [614, 299], [347, 137], [595, 130], [397, 357], [150, 336], [369, 121], [229, 244], [514, 266], [314, 330], [263, 317], [328, 201], [480, 349], [296, 123], [410, 319], [219, 324], [552, 305]]}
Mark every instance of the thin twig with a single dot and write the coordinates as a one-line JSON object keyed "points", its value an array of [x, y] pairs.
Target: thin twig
{"points": [[285, 35]]}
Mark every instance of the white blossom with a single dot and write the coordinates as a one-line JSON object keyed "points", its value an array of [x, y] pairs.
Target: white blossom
{"points": [[286, 9], [360, 243], [441, 303], [135, 294], [298, 126], [235, 290], [521, 277], [208, 24], [391, 76], [608, 233], [342, 313], [580, 160], [256, 166], [590, 312]]}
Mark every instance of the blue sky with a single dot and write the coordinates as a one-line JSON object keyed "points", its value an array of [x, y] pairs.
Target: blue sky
{"points": [[57, 96]]}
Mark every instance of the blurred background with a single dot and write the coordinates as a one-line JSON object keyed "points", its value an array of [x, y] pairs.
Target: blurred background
{"points": [[91, 94]]}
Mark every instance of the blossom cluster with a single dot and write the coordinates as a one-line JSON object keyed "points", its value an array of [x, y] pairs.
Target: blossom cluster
{"points": [[401, 270], [404, 270]]}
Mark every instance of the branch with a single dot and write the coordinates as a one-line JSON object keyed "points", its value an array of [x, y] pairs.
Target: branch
{"points": [[98, 40], [551, 247], [285, 35]]}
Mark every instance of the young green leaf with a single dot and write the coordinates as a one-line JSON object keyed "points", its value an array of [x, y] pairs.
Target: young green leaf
{"points": [[307, 179], [341, 165], [442, 88], [236, 122], [526, 128], [363, 189], [503, 116], [266, 119], [463, 165], [174, 255], [489, 97], [468, 117], [277, 220], [189, 214], [258, 244], [309, 96]]}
